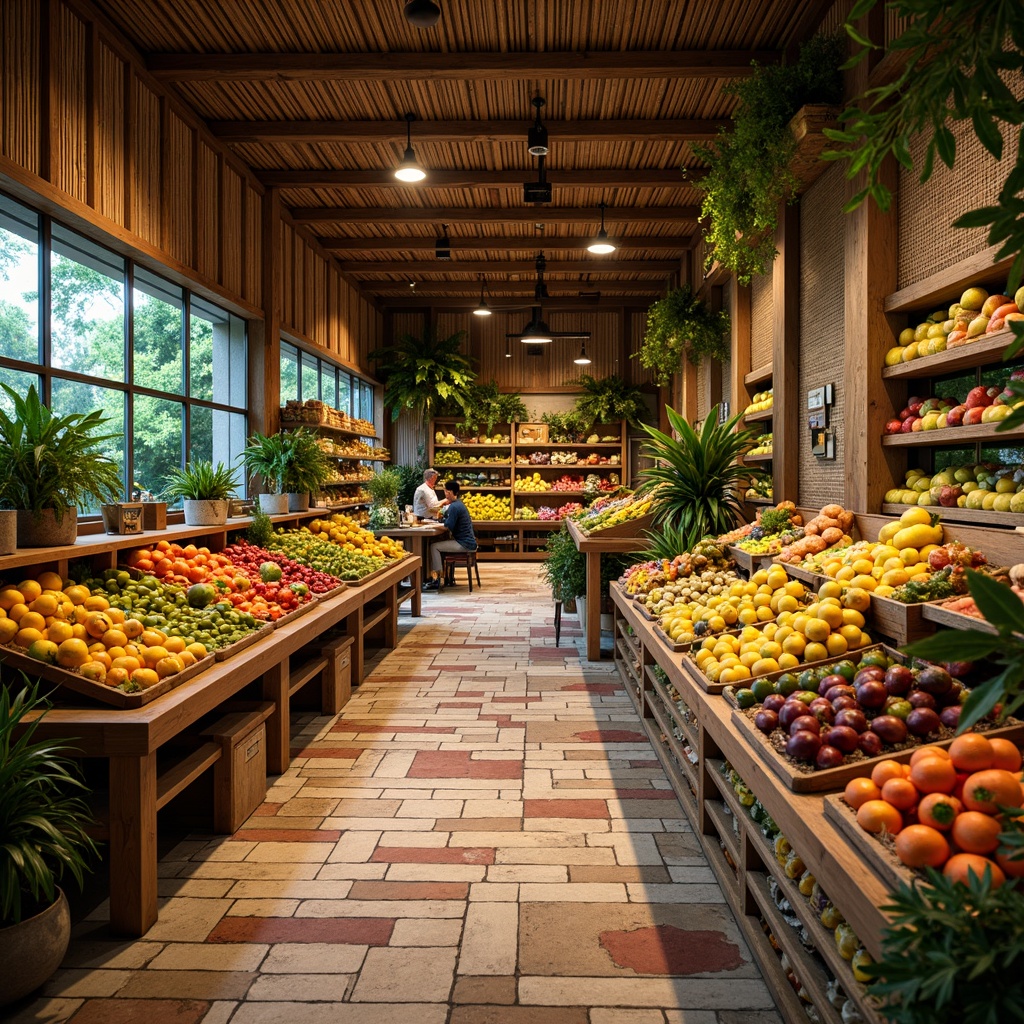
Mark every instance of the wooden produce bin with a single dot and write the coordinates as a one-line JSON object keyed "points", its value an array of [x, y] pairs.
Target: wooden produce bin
{"points": [[240, 775]]}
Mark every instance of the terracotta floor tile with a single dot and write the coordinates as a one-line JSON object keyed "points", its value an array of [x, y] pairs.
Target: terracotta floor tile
{"points": [[518, 1015], [131, 1011], [484, 990], [286, 835], [409, 890], [371, 931], [565, 808], [208, 985]]}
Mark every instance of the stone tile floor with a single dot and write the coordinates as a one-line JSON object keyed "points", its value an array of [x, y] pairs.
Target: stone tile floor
{"points": [[483, 835]]}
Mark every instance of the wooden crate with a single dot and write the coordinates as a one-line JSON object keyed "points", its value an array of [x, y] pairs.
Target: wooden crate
{"points": [[875, 853], [901, 622], [240, 776]]}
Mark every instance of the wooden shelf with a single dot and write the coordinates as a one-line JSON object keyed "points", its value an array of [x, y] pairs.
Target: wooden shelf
{"points": [[972, 516], [758, 375], [327, 428], [948, 285], [476, 488], [763, 457], [759, 417], [950, 436], [987, 349], [474, 465], [954, 620], [759, 501], [569, 445]]}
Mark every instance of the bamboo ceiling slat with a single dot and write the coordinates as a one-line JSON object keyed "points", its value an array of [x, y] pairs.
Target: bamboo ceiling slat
{"points": [[19, 82], [68, 132], [109, 138]]}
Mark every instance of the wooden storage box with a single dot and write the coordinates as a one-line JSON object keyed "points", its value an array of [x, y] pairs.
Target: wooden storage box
{"points": [[532, 433], [240, 776], [122, 517], [337, 675], [154, 515]]}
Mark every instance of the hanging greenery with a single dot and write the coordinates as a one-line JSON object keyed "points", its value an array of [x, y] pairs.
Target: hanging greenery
{"points": [[682, 324], [959, 57], [486, 407], [748, 175], [422, 374], [608, 400], [567, 427]]}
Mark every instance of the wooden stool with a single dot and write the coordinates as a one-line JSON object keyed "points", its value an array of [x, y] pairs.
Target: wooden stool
{"points": [[450, 560]]}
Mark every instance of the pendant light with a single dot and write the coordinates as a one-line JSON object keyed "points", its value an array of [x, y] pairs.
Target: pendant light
{"points": [[536, 332], [422, 13], [601, 245], [537, 138], [483, 309], [409, 170], [508, 349], [583, 359]]}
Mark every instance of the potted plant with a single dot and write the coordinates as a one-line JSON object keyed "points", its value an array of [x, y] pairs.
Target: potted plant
{"points": [[204, 490], [749, 174], [383, 488], [682, 324], [608, 400], [50, 467], [308, 468], [486, 407], [42, 821], [267, 457]]}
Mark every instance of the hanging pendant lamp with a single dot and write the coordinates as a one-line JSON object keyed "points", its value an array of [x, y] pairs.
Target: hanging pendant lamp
{"points": [[583, 359], [483, 309], [601, 245], [422, 13], [409, 170]]}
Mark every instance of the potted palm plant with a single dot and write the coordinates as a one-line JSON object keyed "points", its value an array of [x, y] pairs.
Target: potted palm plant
{"points": [[308, 468], [43, 817], [50, 467], [204, 490], [267, 457]]}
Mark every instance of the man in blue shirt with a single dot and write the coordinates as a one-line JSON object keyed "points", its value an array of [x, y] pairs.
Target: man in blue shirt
{"points": [[460, 526]]}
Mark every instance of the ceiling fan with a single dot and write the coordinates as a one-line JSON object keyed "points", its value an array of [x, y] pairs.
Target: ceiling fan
{"points": [[537, 332]]}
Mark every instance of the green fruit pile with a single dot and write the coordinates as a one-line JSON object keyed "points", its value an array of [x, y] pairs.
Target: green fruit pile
{"points": [[324, 555]]}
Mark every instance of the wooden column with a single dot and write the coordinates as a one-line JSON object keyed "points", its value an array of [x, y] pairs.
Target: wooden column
{"points": [[739, 396], [789, 404], [132, 849], [688, 405], [274, 684], [265, 334]]}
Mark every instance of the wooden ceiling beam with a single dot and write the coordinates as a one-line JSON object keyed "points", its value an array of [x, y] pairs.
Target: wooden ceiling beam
{"points": [[616, 130], [479, 66], [528, 244], [567, 303], [598, 177], [542, 214], [596, 265]]}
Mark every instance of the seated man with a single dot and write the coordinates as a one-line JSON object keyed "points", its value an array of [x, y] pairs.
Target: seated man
{"points": [[460, 525], [425, 502]]}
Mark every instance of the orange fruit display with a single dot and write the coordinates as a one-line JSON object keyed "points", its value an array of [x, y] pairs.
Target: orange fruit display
{"points": [[975, 832], [885, 770], [859, 791], [900, 793], [939, 810], [961, 866], [919, 846], [989, 790], [879, 816], [933, 775], [971, 753], [1006, 755]]}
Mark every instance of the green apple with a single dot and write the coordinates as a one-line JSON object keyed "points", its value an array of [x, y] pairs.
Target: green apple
{"points": [[963, 475], [968, 485], [1017, 502], [989, 501], [1003, 502]]}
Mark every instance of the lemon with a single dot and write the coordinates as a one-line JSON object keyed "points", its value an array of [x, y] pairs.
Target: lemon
{"points": [[817, 630]]}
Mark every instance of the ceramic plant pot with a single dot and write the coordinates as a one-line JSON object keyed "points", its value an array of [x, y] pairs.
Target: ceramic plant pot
{"points": [[45, 530], [298, 501], [274, 504], [205, 512], [33, 950]]}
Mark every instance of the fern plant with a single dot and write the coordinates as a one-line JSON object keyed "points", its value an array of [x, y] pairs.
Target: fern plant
{"points": [[608, 400], [682, 324], [696, 481], [308, 467], [486, 407], [267, 455]]}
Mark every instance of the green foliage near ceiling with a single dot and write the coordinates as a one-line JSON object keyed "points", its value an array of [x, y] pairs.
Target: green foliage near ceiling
{"points": [[486, 407], [606, 400], [682, 324]]}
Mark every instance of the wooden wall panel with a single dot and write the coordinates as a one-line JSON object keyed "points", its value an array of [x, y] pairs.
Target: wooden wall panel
{"points": [[19, 83], [144, 183], [178, 198], [252, 258], [637, 324], [68, 151], [208, 212], [287, 275], [109, 138], [232, 211], [760, 320]]}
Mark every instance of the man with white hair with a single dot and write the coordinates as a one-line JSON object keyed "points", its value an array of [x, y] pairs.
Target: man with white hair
{"points": [[425, 502]]}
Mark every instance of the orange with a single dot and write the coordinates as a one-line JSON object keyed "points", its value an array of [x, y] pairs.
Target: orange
{"points": [[930, 751], [30, 590], [113, 638], [32, 620], [27, 637], [175, 644], [77, 594], [49, 581], [116, 676], [102, 658], [116, 616], [96, 603], [152, 638], [860, 791], [879, 816], [44, 604], [9, 597], [58, 631], [43, 650], [169, 666], [97, 623], [975, 832], [17, 611], [72, 653], [151, 655], [132, 628], [1007, 756], [971, 753], [8, 630], [933, 775], [145, 677], [919, 846], [989, 790], [885, 770], [95, 671], [939, 810], [961, 866], [128, 663], [900, 793], [1012, 868]]}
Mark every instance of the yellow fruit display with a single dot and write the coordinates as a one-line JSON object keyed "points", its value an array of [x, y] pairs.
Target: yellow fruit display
{"points": [[344, 530], [487, 506]]}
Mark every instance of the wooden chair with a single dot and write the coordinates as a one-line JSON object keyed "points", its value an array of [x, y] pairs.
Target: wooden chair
{"points": [[450, 560]]}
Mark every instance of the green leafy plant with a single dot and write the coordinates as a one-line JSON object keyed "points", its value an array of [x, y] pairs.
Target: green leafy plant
{"points": [[409, 478], [565, 568], [567, 427], [43, 815], [956, 63], [696, 480], [261, 529], [748, 175], [952, 952], [53, 461], [1003, 609], [486, 407], [667, 542], [383, 486], [200, 481], [308, 467], [422, 374], [608, 400], [267, 455], [682, 324]]}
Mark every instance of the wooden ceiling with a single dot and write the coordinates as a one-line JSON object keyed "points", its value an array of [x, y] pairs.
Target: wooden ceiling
{"points": [[312, 95]]}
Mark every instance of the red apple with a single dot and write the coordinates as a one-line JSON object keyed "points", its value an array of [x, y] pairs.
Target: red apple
{"points": [[948, 496], [977, 397], [955, 416], [908, 424], [973, 416], [914, 405], [893, 426], [904, 414]]}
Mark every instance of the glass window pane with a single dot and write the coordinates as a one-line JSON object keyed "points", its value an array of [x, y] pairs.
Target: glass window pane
{"points": [[69, 396], [365, 401], [344, 392], [289, 373], [329, 384], [157, 441], [310, 377], [17, 381], [217, 355], [220, 437], [87, 316], [19, 282], [158, 313]]}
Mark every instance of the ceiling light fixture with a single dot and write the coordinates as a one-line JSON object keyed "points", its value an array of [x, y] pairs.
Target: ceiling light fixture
{"points": [[443, 245], [583, 359], [483, 309], [409, 170], [508, 349], [422, 13], [601, 245], [538, 134], [536, 332]]}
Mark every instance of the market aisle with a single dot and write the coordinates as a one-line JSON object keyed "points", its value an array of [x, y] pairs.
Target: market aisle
{"points": [[483, 835]]}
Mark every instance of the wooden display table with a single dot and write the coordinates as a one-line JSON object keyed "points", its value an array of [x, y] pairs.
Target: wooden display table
{"points": [[593, 547], [415, 539]]}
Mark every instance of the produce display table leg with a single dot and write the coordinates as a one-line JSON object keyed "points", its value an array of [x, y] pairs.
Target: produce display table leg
{"points": [[593, 623], [419, 549], [391, 622], [354, 629], [275, 689], [132, 853]]}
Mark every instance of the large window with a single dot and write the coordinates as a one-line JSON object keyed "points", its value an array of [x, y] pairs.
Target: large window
{"points": [[305, 376], [93, 330]]}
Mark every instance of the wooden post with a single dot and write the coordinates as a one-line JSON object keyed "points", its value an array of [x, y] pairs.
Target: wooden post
{"points": [[740, 346], [593, 623], [133, 843], [265, 335], [789, 405], [275, 689]]}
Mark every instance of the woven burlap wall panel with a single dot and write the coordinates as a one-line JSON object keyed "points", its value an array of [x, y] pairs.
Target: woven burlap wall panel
{"points": [[927, 242], [821, 334], [760, 320], [703, 389], [725, 392]]}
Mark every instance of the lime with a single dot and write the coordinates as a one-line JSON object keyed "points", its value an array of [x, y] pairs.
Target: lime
{"points": [[745, 698], [761, 688], [809, 679], [846, 669], [786, 684], [805, 696], [874, 659]]}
